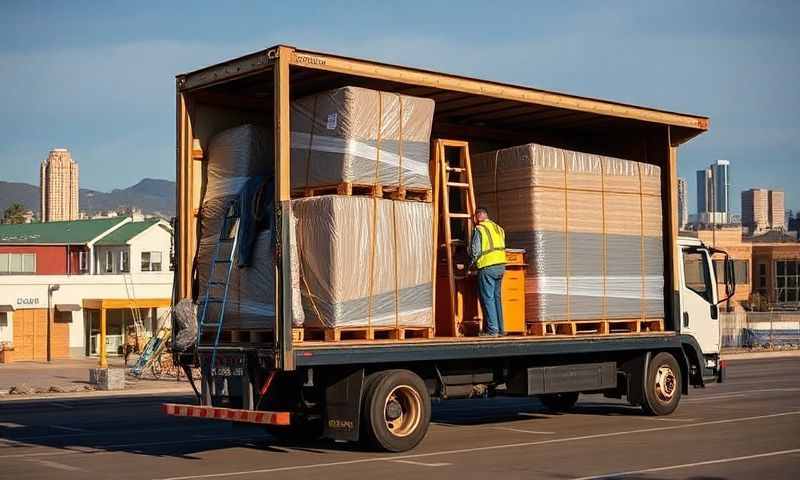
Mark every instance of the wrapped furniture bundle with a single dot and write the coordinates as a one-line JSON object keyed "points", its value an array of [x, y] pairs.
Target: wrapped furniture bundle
{"points": [[592, 227], [364, 261], [235, 158], [361, 136]]}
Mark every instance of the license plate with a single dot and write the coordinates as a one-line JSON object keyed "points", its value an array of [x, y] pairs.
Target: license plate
{"points": [[227, 365]]}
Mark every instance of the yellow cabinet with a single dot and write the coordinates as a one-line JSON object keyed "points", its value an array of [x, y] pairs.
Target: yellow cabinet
{"points": [[513, 293]]}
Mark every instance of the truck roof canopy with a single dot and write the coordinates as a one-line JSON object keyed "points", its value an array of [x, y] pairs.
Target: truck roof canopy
{"points": [[476, 107]]}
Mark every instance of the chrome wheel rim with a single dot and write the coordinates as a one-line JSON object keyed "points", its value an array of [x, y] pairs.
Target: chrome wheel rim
{"points": [[666, 383], [402, 411]]}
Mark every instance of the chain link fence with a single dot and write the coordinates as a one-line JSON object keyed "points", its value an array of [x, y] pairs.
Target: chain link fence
{"points": [[767, 330]]}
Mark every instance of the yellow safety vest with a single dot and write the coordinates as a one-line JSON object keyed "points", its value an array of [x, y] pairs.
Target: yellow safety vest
{"points": [[493, 244]]}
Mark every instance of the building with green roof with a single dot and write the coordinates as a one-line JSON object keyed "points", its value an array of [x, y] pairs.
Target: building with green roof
{"points": [[75, 232], [84, 246]]}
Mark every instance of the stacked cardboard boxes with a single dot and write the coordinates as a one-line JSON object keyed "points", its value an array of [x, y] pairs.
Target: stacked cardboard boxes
{"points": [[591, 226], [360, 136], [363, 261]]}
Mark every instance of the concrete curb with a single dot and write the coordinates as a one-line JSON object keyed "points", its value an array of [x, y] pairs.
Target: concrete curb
{"points": [[187, 389], [760, 355]]}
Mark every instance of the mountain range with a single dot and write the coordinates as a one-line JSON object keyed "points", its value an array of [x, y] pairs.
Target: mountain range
{"points": [[151, 195]]}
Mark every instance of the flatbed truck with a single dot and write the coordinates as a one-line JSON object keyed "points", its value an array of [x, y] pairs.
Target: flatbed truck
{"points": [[380, 391]]}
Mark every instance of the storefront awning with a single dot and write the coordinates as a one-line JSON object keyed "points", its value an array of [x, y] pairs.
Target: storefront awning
{"points": [[6, 308], [68, 307]]}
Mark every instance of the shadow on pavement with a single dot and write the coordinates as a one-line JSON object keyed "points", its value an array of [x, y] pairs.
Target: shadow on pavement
{"points": [[136, 424]]}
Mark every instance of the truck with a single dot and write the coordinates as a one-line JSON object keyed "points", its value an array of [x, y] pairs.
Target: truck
{"points": [[380, 392]]}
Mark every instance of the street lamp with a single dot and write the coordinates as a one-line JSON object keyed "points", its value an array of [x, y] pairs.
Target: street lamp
{"points": [[50, 289]]}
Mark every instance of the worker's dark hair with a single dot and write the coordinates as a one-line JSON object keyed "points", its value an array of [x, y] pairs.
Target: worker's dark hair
{"points": [[480, 210]]}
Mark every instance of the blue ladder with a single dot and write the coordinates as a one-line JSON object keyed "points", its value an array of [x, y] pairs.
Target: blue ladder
{"points": [[228, 235]]}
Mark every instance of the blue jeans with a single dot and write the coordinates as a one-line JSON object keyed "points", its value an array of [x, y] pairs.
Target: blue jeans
{"points": [[490, 284]]}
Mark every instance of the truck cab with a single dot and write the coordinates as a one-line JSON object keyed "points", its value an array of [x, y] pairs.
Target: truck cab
{"points": [[700, 298]]}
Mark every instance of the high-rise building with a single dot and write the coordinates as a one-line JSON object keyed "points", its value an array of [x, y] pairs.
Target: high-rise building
{"points": [[58, 181], [713, 193], [777, 212], [763, 209], [683, 202], [720, 175], [702, 192], [755, 209]]}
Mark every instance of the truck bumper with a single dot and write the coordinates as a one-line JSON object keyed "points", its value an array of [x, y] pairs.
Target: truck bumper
{"points": [[230, 414]]}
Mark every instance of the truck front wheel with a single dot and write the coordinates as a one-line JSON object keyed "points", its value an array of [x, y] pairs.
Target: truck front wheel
{"points": [[662, 390], [396, 410]]}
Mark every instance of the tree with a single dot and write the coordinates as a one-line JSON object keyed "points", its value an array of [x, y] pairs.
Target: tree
{"points": [[14, 214]]}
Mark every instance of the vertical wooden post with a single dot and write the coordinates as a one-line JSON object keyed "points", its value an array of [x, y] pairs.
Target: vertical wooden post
{"points": [[283, 271], [183, 175], [661, 150], [103, 354]]}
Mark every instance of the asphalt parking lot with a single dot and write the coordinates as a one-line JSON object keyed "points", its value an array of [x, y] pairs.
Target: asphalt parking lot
{"points": [[746, 428]]}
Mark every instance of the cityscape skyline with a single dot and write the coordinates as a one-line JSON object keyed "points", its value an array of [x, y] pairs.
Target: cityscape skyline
{"points": [[108, 109]]}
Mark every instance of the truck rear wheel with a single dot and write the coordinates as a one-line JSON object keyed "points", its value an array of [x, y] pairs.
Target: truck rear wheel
{"points": [[662, 389], [559, 402], [396, 410]]}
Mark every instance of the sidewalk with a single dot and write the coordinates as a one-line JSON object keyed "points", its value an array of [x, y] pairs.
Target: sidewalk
{"points": [[758, 354], [71, 377]]}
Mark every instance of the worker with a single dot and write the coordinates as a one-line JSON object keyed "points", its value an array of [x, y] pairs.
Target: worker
{"points": [[488, 255]]}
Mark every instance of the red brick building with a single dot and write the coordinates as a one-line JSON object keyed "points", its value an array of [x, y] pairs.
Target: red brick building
{"points": [[52, 248]]}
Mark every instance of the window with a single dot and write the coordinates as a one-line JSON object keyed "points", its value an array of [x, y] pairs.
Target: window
{"points": [[83, 261], [16, 263], [697, 275], [151, 261], [787, 281], [109, 261], [124, 261], [741, 269]]}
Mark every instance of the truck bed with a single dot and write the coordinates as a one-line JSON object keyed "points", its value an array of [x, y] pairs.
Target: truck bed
{"points": [[450, 348]]}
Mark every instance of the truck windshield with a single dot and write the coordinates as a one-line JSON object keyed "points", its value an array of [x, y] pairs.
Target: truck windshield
{"points": [[696, 274]]}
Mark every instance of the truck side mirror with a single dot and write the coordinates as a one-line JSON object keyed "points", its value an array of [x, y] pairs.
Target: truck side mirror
{"points": [[729, 273], [730, 277]]}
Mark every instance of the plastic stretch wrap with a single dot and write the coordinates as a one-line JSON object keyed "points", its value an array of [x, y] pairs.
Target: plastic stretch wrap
{"points": [[364, 261], [362, 136], [233, 157], [591, 226], [185, 332]]}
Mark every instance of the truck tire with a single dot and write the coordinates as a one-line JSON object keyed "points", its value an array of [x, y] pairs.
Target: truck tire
{"points": [[559, 402], [396, 411], [662, 389]]}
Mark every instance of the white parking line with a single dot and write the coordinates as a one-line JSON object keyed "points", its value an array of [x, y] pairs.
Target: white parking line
{"points": [[421, 464], [664, 419], [689, 465], [101, 449], [126, 433], [737, 394], [56, 465], [392, 458], [521, 430]]}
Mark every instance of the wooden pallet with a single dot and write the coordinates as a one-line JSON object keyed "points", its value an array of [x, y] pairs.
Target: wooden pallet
{"points": [[367, 190], [409, 194], [337, 334], [594, 327]]}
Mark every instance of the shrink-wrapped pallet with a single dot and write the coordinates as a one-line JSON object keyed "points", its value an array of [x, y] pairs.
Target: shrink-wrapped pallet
{"points": [[235, 157], [591, 225], [364, 262], [361, 136]]}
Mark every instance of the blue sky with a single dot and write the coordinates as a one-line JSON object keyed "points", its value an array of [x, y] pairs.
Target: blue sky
{"points": [[98, 78]]}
